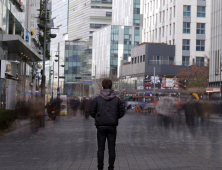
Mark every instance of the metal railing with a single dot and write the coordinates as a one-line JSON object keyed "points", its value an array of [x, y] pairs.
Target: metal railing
{"points": [[178, 63]]}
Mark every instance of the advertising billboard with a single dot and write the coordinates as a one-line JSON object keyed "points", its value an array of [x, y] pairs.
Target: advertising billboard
{"points": [[160, 82]]}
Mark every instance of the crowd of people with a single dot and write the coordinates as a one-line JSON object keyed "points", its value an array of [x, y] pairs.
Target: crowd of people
{"points": [[74, 104]]}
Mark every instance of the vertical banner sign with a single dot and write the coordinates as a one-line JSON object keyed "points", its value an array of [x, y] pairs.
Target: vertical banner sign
{"points": [[47, 99], [63, 110]]}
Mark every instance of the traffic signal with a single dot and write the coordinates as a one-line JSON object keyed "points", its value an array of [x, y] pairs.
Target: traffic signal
{"points": [[41, 71], [178, 94]]}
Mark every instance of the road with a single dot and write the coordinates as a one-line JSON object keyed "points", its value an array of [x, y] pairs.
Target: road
{"points": [[143, 143]]}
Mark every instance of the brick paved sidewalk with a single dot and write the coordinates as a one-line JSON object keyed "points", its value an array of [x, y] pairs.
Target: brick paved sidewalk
{"points": [[143, 143]]}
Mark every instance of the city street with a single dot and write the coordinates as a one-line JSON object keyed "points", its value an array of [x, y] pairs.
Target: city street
{"points": [[142, 144]]}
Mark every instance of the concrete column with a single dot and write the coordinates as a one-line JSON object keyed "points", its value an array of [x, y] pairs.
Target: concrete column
{"points": [[10, 94], [13, 31]]}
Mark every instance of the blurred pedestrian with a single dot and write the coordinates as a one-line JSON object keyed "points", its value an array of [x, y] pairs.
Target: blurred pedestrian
{"points": [[85, 107], [57, 103], [106, 109], [189, 109], [74, 104], [36, 108]]}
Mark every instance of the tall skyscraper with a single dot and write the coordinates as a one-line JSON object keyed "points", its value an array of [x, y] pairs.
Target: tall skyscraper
{"points": [[126, 12], [185, 24], [216, 44], [60, 22], [112, 44], [87, 16]]}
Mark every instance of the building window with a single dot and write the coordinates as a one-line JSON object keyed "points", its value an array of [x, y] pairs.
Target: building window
{"points": [[163, 16], [200, 28], [91, 32], [186, 44], [186, 27], [170, 29], [200, 61], [90, 37], [174, 27], [170, 13], [163, 31], [135, 60], [174, 13], [108, 14], [138, 59], [132, 60], [186, 11], [200, 45], [201, 11], [95, 26], [185, 60], [143, 58]]}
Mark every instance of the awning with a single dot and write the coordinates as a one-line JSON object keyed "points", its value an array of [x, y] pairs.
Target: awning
{"points": [[18, 45]]}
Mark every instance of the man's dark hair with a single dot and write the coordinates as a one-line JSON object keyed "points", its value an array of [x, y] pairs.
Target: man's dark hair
{"points": [[107, 84]]}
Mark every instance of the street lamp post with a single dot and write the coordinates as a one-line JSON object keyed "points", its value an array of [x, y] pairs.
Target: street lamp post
{"points": [[58, 67], [95, 83], [42, 123]]}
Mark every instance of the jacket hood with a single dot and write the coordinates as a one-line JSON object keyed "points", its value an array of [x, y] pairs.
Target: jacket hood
{"points": [[107, 94]]}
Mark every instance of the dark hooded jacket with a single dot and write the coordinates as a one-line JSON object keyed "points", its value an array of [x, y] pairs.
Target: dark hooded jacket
{"points": [[106, 109]]}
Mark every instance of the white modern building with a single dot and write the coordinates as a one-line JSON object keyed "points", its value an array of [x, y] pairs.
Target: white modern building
{"points": [[126, 12], [59, 16], [184, 23], [216, 44], [113, 43], [87, 16]]}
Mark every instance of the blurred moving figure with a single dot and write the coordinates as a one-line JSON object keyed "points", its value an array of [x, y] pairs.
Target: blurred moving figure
{"points": [[166, 108], [57, 104], [85, 107], [36, 111], [189, 109], [50, 106], [74, 104]]}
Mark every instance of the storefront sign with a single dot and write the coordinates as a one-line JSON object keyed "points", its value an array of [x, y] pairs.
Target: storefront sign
{"points": [[213, 89], [63, 105], [216, 89], [140, 87], [8, 67], [90, 82], [124, 92], [127, 77], [169, 82], [148, 93]]}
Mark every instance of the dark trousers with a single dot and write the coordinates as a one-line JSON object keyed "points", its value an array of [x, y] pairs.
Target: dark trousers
{"points": [[109, 133]]}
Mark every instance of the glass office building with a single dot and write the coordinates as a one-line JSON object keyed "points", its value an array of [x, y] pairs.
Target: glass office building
{"points": [[76, 53], [112, 44]]}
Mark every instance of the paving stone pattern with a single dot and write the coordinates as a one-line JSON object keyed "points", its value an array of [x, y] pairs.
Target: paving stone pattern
{"points": [[143, 143]]}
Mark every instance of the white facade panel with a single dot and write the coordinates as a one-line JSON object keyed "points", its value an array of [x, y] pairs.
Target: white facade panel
{"points": [[163, 21], [216, 43]]}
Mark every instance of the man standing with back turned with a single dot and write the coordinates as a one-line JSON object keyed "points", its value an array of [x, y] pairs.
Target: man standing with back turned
{"points": [[106, 109]]}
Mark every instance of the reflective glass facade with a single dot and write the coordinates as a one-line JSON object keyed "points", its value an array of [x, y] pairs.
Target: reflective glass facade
{"points": [[118, 40], [10, 13], [136, 12], [76, 53]]}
